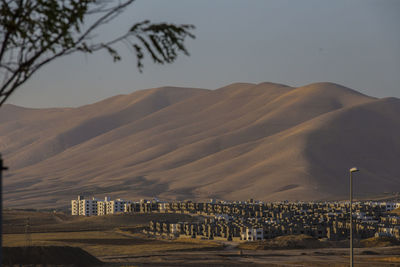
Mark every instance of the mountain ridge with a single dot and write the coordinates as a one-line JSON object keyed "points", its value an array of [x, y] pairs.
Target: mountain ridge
{"points": [[266, 141]]}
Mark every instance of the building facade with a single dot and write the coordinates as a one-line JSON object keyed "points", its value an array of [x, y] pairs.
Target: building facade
{"points": [[85, 207]]}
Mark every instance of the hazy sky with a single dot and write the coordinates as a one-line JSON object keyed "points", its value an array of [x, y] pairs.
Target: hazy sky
{"points": [[297, 42]]}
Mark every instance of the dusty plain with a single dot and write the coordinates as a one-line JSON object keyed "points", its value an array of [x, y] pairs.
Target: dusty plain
{"points": [[118, 241]]}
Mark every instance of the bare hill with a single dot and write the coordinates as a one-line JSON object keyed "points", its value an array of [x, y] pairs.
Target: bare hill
{"points": [[266, 141]]}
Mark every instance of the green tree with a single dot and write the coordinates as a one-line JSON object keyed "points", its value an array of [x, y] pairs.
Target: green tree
{"points": [[35, 32]]}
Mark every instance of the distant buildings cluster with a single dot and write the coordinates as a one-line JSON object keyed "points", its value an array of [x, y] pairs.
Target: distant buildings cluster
{"points": [[257, 221], [253, 220]]}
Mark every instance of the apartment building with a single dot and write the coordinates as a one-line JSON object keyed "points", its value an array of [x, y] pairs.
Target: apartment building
{"points": [[75, 205], [116, 206], [85, 207], [102, 206]]}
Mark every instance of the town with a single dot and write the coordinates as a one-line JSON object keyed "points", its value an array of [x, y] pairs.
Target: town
{"points": [[254, 220]]}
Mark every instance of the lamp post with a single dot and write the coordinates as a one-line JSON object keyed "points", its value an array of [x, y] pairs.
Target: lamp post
{"points": [[354, 169]]}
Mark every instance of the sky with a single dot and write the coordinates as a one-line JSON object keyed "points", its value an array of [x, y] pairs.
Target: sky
{"points": [[355, 43]]}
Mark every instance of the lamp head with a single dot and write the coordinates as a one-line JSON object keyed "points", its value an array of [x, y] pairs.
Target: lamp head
{"points": [[354, 169]]}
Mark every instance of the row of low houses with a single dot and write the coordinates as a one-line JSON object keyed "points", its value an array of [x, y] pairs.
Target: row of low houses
{"points": [[251, 229], [210, 228], [255, 221]]}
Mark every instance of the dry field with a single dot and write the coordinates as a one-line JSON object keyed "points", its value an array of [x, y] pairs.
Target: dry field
{"points": [[106, 236], [117, 241], [293, 257], [15, 221], [108, 243]]}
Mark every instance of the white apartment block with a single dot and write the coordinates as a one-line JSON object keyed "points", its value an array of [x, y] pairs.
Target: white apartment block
{"points": [[85, 207], [116, 206], [101, 208], [75, 205]]}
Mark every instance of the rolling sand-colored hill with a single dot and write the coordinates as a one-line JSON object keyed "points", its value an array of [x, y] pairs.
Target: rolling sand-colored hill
{"points": [[266, 141]]}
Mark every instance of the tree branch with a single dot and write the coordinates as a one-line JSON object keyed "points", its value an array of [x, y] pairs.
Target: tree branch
{"points": [[40, 31]]}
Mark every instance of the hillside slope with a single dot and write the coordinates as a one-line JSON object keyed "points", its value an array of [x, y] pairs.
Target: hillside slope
{"points": [[266, 141]]}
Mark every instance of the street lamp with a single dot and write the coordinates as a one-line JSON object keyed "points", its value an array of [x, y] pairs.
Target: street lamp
{"points": [[354, 169]]}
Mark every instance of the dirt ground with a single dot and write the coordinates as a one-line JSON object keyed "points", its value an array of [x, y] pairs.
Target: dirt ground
{"points": [[303, 257], [15, 221]]}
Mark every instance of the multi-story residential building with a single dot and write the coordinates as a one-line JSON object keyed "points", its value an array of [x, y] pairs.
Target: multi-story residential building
{"points": [[132, 207], [88, 207], [75, 205], [85, 207], [116, 206], [147, 206], [102, 206]]}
